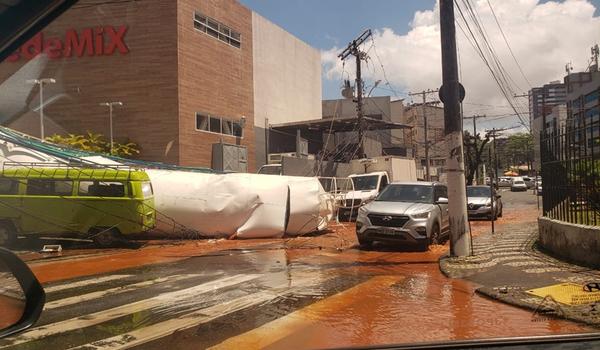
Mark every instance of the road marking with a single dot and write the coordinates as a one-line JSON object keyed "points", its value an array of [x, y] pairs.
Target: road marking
{"points": [[123, 310], [298, 320], [162, 329], [86, 282], [112, 291]]}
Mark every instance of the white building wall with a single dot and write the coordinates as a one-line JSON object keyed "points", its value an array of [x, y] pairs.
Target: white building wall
{"points": [[287, 79]]}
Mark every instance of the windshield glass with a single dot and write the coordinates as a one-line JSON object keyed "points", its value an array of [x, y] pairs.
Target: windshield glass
{"points": [[478, 191], [270, 170], [365, 183], [268, 174], [406, 193]]}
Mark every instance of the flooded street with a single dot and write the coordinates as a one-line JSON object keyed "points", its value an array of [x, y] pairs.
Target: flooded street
{"points": [[259, 295]]}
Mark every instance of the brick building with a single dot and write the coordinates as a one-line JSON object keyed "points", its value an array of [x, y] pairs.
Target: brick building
{"points": [[186, 71]]}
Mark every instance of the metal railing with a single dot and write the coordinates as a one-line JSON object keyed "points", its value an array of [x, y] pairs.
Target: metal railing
{"points": [[570, 164]]}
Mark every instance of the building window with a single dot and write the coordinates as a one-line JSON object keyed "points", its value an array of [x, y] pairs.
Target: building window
{"points": [[593, 97], [218, 125], [217, 30]]}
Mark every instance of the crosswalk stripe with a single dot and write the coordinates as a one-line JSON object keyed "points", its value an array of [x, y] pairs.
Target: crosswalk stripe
{"points": [[158, 330], [123, 310], [269, 333], [112, 291], [86, 282]]}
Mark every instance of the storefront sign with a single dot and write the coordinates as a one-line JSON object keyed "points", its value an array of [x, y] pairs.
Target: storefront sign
{"points": [[99, 41]]}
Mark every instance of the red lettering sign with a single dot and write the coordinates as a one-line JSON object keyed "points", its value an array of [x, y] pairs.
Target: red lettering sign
{"points": [[97, 41]]}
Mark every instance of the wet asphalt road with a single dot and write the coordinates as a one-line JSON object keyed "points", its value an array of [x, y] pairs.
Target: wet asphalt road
{"points": [[278, 299]]}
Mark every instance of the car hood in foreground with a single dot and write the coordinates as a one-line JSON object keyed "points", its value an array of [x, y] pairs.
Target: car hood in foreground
{"points": [[398, 208]]}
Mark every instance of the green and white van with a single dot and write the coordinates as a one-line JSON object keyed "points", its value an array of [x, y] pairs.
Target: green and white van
{"points": [[101, 204]]}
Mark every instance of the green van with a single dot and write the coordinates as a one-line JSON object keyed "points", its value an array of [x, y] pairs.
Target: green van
{"points": [[100, 204]]}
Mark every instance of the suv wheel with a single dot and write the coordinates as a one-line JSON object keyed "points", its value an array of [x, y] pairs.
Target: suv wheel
{"points": [[8, 237], [435, 237]]}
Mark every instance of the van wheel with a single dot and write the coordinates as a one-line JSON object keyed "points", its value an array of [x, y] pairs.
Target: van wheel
{"points": [[103, 237], [8, 236]]}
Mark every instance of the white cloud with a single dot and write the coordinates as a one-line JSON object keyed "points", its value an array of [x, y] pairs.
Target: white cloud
{"points": [[543, 37]]}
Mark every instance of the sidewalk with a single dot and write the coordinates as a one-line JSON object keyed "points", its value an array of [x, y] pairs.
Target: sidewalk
{"points": [[508, 266]]}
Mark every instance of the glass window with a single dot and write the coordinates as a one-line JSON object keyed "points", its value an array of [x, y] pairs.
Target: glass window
{"points": [[101, 189], [39, 187], [237, 129], [227, 127], [216, 29], [201, 122], [407, 193], [362, 183], [592, 97], [9, 186], [147, 190], [215, 124]]}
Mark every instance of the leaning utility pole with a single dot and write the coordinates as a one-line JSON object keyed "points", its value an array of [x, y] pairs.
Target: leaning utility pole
{"points": [[452, 93], [352, 49], [424, 94]]}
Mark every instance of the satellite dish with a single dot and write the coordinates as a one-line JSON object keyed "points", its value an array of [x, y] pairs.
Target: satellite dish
{"points": [[348, 91]]}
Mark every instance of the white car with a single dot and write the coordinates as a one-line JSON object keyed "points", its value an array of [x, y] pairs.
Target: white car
{"points": [[517, 184], [414, 213]]}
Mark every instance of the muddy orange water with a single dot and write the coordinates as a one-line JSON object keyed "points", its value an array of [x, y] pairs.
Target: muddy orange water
{"points": [[403, 302], [11, 310]]}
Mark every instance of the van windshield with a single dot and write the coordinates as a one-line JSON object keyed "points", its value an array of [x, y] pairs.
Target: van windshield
{"points": [[365, 183], [147, 189]]}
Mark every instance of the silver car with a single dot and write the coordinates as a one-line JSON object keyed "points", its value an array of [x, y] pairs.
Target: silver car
{"points": [[479, 203], [405, 212]]}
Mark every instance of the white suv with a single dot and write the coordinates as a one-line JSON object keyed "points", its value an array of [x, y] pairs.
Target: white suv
{"points": [[405, 212]]}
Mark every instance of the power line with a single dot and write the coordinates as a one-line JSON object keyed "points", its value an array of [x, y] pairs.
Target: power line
{"points": [[507, 44]]}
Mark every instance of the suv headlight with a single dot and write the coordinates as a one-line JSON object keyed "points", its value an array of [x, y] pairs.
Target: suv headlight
{"points": [[362, 211], [424, 215]]}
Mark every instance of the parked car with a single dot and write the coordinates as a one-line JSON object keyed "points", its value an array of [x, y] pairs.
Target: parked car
{"points": [[405, 212], [271, 169], [530, 182], [518, 184], [101, 204], [504, 181], [479, 203], [365, 188], [538, 188]]}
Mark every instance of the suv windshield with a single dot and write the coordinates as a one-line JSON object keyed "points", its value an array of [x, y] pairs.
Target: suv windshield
{"points": [[406, 193], [478, 191], [365, 183]]}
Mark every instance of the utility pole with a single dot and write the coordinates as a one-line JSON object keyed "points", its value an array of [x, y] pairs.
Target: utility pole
{"points": [[110, 119], [475, 117], [424, 94], [41, 83], [353, 49], [495, 132], [452, 93]]}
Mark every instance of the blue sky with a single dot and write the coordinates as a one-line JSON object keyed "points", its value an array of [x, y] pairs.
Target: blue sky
{"points": [[413, 65], [324, 24]]}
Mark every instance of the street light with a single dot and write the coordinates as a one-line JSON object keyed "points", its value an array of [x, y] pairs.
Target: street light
{"points": [[110, 113], [374, 86], [41, 83]]}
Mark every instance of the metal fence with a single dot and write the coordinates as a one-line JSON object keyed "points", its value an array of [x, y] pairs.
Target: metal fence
{"points": [[570, 167]]}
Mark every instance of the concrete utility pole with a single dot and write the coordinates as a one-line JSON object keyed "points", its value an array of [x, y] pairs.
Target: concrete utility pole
{"points": [[41, 83], [352, 49], [452, 93], [424, 94], [110, 118]]}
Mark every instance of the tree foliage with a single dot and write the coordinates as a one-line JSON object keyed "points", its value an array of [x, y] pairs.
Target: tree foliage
{"points": [[96, 143], [473, 148]]}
